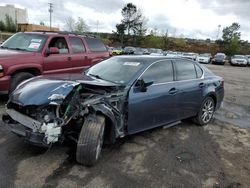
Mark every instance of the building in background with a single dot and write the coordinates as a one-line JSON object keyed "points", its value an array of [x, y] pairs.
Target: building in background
{"points": [[17, 14], [32, 27]]}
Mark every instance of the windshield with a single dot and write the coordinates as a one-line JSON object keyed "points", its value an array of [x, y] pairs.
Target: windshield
{"points": [[220, 56], [204, 55], [239, 56], [117, 70], [25, 42]]}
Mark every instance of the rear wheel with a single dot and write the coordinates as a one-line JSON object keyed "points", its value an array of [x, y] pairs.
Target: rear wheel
{"points": [[206, 112], [90, 140], [18, 78]]}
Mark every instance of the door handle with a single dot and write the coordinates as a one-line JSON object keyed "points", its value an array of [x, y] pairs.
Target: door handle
{"points": [[201, 85], [69, 58], [173, 91]]}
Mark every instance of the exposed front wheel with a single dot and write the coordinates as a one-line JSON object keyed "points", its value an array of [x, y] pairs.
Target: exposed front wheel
{"points": [[90, 140], [206, 112]]}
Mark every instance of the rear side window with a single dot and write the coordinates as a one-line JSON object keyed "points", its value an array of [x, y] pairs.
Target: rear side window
{"points": [[96, 45], [185, 70], [77, 45], [198, 71], [160, 72]]}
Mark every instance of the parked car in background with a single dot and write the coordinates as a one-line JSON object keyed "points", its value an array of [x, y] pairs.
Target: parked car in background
{"points": [[172, 54], [120, 96], [28, 54], [248, 59], [129, 50], [190, 55], [240, 60], [219, 58], [139, 51], [204, 58], [117, 51], [155, 52]]}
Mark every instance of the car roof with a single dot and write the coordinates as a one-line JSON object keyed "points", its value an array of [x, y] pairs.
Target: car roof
{"points": [[148, 59], [53, 33]]}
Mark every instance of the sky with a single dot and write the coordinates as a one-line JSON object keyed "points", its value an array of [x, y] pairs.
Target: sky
{"points": [[197, 19]]}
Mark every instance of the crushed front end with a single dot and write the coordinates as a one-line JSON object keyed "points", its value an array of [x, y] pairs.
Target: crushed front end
{"points": [[46, 115]]}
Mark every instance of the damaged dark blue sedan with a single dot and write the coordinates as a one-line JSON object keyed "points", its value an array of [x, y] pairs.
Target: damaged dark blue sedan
{"points": [[117, 97]]}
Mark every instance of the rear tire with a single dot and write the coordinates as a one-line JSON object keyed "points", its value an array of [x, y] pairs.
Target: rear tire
{"points": [[18, 78], [206, 112], [90, 141]]}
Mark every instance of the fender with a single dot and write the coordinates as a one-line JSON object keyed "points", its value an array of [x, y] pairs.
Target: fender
{"points": [[105, 110], [18, 67]]}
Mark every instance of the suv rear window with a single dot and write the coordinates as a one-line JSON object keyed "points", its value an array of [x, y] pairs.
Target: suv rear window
{"points": [[96, 45]]}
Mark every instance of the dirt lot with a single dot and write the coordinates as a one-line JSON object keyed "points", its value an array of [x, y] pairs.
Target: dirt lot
{"points": [[216, 155]]}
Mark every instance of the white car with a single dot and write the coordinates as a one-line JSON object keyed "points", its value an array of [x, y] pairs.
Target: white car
{"points": [[239, 60], [204, 58], [190, 55], [248, 59], [172, 54]]}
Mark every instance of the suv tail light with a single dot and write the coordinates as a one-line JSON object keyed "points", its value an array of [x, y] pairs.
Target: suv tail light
{"points": [[1, 71]]}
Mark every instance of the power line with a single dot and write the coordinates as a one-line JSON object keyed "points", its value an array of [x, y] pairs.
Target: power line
{"points": [[50, 14]]}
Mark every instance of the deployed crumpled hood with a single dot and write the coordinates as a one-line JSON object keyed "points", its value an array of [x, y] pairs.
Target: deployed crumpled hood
{"points": [[45, 90]]}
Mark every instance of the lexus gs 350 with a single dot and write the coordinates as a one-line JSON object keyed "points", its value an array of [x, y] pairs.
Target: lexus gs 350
{"points": [[119, 96]]}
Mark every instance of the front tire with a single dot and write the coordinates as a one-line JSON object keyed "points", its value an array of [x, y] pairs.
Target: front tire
{"points": [[90, 140], [18, 78], [206, 112]]}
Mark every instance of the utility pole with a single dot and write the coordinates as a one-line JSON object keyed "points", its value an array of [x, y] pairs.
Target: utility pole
{"points": [[50, 15], [218, 33]]}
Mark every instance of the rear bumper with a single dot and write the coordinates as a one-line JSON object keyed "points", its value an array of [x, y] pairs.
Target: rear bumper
{"points": [[4, 84]]}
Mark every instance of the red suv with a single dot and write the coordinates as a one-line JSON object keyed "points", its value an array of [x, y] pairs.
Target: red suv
{"points": [[28, 54]]}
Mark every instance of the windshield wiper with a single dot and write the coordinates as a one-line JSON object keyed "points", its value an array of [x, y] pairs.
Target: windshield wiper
{"points": [[96, 76], [20, 49], [4, 47]]}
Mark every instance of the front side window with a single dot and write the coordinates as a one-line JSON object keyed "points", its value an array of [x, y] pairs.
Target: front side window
{"points": [[160, 72], [96, 45], [185, 70], [60, 43], [77, 45]]}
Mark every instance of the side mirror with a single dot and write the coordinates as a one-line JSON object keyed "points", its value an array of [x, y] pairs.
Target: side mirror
{"points": [[52, 50], [142, 85]]}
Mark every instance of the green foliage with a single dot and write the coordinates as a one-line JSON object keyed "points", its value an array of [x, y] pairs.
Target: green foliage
{"points": [[42, 23], [10, 25], [132, 19], [2, 26], [81, 26], [231, 38]]}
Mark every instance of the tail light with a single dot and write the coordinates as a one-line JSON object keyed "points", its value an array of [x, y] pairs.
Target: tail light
{"points": [[1, 71], [222, 82]]}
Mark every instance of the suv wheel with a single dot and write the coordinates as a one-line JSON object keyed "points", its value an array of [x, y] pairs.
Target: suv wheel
{"points": [[206, 112], [90, 141], [18, 78]]}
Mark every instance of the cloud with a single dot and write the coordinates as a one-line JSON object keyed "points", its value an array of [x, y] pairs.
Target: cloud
{"points": [[189, 18]]}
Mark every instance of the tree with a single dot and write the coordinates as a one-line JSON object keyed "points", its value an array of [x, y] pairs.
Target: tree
{"points": [[132, 18], [2, 26], [231, 38], [10, 24], [81, 26], [231, 32], [70, 24], [42, 23]]}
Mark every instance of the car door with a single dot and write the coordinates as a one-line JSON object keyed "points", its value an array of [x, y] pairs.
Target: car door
{"points": [[190, 85], [58, 63], [79, 56], [156, 105]]}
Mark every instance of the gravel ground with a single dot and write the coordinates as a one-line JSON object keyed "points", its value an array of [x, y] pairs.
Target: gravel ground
{"points": [[216, 155]]}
